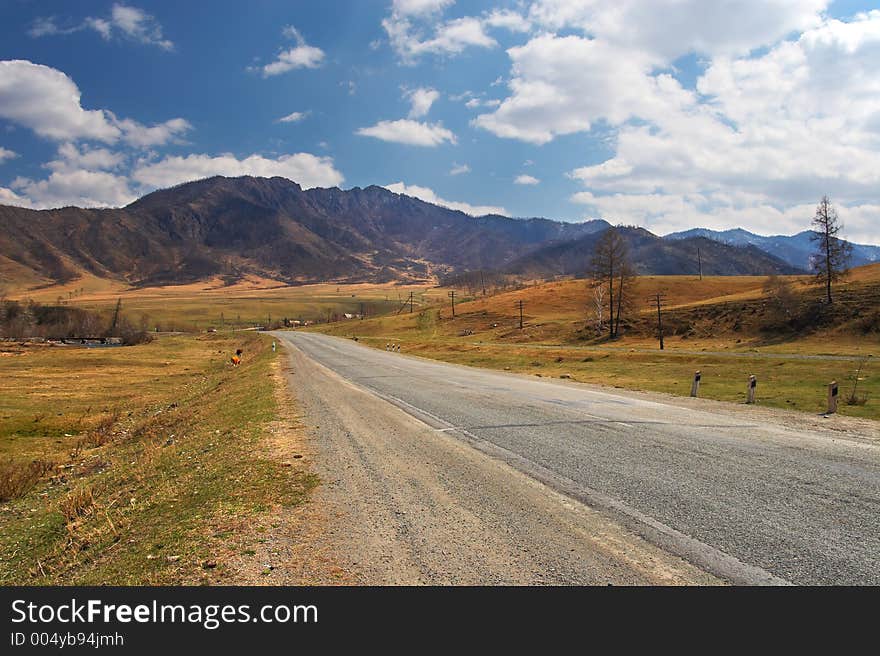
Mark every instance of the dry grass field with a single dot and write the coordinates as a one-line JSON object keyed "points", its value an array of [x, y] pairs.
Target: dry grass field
{"points": [[212, 303], [134, 465]]}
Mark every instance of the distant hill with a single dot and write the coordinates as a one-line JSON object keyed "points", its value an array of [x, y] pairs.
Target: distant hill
{"points": [[794, 249], [273, 228], [651, 254], [269, 227]]}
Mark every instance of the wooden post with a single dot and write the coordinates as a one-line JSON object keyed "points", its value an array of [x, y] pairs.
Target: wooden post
{"points": [[695, 387], [833, 397], [753, 384], [520, 303], [452, 297]]}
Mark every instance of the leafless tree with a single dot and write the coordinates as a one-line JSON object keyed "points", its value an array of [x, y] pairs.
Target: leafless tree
{"points": [[831, 260], [599, 307], [610, 267]]}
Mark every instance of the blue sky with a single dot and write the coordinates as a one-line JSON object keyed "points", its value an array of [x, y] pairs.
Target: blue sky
{"points": [[669, 114]]}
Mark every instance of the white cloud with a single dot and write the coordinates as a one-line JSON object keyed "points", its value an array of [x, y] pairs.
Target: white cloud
{"points": [[562, 85], [304, 168], [138, 25], [48, 102], [124, 20], [71, 157], [6, 154], [414, 28], [79, 187], [419, 7], [448, 38], [293, 117], [525, 179], [475, 103], [507, 19], [141, 136], [9, 197], [428, 195], [667, 29], [301, 56], [459, 169], [421, 100], [409, 132]]}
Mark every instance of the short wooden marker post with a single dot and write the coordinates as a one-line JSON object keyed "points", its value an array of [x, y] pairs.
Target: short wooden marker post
{"points": [[833, 397], [695, 387], [753, 385]]}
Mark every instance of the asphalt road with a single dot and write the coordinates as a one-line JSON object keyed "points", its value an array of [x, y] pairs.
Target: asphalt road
{"points": [[751, 502]]}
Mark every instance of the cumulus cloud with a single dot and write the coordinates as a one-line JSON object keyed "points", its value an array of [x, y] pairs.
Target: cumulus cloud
{"points": [[667, 29], [412, 133], [306, 169], [48, 102], [428, 195], [80, 187], [459, 169], [525, 179], [301, 56], [6, 154], [421, 100], [124, 21]]}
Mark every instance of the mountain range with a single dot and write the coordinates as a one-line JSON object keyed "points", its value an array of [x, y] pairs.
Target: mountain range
{"points": [[272, 227], [794, 249]]}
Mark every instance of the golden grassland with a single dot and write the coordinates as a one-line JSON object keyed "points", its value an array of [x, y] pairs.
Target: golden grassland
{"points": [[141, 459], [212, 303]]}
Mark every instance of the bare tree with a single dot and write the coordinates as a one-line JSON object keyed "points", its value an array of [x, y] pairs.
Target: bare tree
{"points": [[831, 260], [611, 268], [599, 307]]}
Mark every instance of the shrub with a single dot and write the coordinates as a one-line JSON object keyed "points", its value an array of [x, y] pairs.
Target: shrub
{"points": [[17, 478]]}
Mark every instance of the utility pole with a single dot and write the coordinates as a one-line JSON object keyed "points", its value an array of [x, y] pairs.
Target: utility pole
{"points": [[482, 282], [658, 299], [452, 296], [115, 316], [700, 261], [410, 302], [520, 304]]}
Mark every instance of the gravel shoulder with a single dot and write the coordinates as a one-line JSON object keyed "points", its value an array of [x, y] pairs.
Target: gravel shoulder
{"points": [[403, 503]]}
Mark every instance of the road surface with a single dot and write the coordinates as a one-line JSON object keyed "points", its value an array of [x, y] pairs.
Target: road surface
{"points": [[451, 474]]}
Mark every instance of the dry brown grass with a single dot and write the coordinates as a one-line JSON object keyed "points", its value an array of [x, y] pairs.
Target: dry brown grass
{"points": [[18, 478], [76, 504]]}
